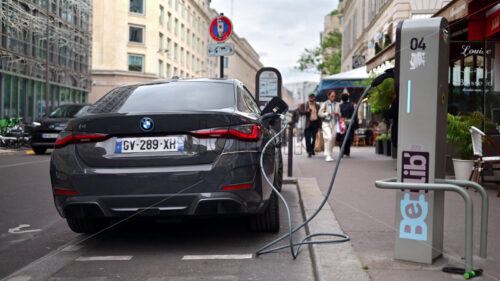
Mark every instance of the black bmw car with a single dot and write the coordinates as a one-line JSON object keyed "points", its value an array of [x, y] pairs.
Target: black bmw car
{"points": [[45, 131], [181, 148]]}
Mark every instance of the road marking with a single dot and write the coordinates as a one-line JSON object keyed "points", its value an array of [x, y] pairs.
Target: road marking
{"points": [[17, 230], [30, 152], [217, 257], [24, 163], [105, 258]]}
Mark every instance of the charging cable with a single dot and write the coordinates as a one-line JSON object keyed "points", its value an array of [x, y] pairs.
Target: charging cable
{"points": [[295, 247]]}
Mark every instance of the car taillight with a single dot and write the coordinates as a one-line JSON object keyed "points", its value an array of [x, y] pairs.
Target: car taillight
{"points": [[249, 132], [66, 138]]}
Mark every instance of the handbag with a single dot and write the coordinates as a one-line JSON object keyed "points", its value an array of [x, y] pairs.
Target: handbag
{"points": [[319, 145], [341, 126]]}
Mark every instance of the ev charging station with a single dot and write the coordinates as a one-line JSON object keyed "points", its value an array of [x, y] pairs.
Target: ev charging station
{"points": [[422, 54], [421, 79]]}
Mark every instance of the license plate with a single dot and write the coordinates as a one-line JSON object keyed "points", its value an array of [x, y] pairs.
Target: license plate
{"points": [[149, 144], [49, 136]]}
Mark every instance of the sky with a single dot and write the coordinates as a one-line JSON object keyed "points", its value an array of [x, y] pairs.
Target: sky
{"points": [[279, 30]]}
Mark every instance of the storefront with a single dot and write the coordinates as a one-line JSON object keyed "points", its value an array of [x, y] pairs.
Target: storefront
{"points": [[474, 75]]}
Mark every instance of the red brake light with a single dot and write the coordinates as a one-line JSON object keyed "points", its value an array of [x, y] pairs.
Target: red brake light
{"points": [[65, 192], [236, 187], [63, 140], [244, 132]]}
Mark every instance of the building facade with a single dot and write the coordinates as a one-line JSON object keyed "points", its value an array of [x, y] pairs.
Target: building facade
{"points": [[44, 55], [369, 26], [139, 40]]}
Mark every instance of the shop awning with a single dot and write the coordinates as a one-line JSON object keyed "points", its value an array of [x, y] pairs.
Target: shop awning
{"points": [[350, 79]]}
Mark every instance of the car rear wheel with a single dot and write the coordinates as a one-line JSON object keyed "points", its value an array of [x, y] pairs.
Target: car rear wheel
{"points": [[269, 221], [87, 226], [39, 150]]}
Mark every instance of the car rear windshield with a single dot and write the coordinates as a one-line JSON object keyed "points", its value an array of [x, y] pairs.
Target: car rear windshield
{"points": [[173, 96], [66, 111]]}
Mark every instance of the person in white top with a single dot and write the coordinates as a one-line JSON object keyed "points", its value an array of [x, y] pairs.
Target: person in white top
{"points": [[329, 111]]}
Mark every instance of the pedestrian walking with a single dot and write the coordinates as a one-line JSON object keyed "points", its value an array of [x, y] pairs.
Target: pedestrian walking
{"points": [[346, 111], [329, 112], [310, 110]]}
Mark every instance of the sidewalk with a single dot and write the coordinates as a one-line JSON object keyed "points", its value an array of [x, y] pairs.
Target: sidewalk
{"points": [[366, 214]]}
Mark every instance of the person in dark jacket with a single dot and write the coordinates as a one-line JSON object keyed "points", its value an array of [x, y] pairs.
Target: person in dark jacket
{"points": [[346, 111], [393, 114], [310, 110]]}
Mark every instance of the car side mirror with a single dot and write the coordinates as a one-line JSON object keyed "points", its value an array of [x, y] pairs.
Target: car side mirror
{"points": [[275, 105]]}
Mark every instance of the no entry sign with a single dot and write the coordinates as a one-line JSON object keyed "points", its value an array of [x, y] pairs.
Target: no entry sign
{"points": [[221, 28]]}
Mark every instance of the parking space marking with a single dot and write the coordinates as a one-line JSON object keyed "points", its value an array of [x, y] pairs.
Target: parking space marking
{"points": [[17, 230], [217, 257], [105, 258], [24, 163]]}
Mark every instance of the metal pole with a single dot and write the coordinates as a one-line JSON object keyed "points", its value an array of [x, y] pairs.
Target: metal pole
{"points": [[290, 148], [392, 184], [47, 66], [222, 67], [484, 211]]}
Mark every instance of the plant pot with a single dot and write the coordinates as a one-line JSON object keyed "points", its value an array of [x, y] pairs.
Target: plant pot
{"points": [[462, 168], [379, 147], [387, 148]]}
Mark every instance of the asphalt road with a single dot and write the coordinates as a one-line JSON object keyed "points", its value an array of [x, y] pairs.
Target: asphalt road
{"points": [[36, 244]]}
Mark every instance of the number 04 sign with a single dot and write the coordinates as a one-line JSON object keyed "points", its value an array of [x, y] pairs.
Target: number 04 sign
{"points": [[417, 59]]}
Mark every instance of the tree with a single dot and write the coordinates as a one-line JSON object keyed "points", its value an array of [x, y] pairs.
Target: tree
{"points": [[326, 58]]}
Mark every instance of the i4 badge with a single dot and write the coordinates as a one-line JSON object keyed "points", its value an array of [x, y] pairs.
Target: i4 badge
{"points": [[147, 124]]}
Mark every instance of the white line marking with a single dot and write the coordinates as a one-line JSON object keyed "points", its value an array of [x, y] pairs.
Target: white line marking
{"points": [[105, 258], [17, 230], [24, 163], [71, 248], [217, 257], [20, 278]]}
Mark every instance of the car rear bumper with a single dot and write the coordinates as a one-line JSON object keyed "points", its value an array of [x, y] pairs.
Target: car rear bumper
{"points": [[191, 190], [205, 204]]}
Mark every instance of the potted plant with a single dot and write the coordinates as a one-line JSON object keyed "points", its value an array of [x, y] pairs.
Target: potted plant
{"points": [[379, 144], [458, 134]]}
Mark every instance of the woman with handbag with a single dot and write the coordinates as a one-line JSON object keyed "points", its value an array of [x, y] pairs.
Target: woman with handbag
{"points": [[328, 111], [346, 111]]}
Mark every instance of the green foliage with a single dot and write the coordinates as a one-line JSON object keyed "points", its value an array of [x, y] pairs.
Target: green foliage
{"points": [[377, 48], [458, 132], [380, 97], [321, 57], [384, 137], [387, 41]]}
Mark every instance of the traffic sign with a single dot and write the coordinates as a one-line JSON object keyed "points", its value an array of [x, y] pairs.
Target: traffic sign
{"points": [[220, 49], [221, 28]]}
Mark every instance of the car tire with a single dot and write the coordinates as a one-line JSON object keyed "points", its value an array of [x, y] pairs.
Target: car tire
{"points": [[269, 221], [39, 150], [87, 226]]}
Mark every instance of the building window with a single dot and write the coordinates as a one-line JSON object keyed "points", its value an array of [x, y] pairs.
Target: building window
{"points": [[188, 36], [136, 63], [160, 68], [187, 59], [176, 27], [169, 43], [182, 9], [160, 46], [175, 71], [161, 14], [182, 73], [182, 31], [169, 21], [136, 34], [168, 70], [182, 56], [137, 6], [175, 51], [176, 5], [193, 41]]}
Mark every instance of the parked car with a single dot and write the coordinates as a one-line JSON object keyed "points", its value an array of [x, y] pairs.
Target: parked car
{"points": [[44, 132], [181, 148]]}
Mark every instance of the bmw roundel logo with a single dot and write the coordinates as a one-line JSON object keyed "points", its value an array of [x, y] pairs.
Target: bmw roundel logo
{"points": [[147, 124]]}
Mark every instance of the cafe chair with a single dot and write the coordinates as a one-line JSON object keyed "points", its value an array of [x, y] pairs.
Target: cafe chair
{"points": [[481, 161]]}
